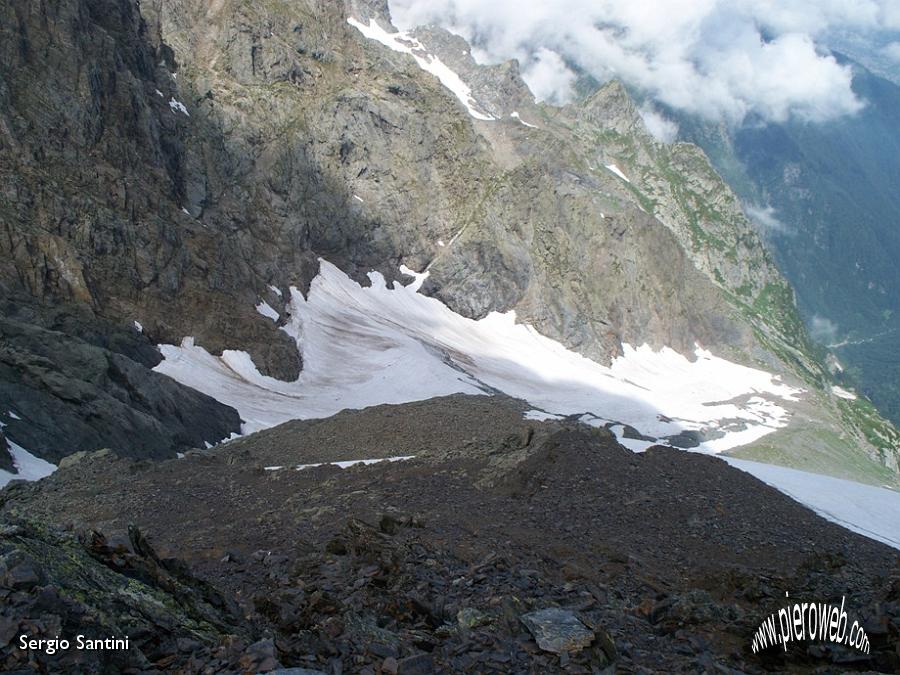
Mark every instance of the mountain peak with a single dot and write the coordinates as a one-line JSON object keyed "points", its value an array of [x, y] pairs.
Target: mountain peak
{"points": [[612, 107]]}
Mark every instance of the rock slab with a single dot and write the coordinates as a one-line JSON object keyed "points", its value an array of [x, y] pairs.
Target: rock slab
{"points": [[558, 630]]}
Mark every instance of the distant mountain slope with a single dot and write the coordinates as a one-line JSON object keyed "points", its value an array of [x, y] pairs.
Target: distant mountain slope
{"points": [[834, 227], [176, 169]]}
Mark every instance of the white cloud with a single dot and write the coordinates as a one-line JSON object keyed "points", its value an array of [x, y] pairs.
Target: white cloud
{"points": [[660, 127], [892, 51], [723, 59], [548, 77], [764, 217], [822, 330]]}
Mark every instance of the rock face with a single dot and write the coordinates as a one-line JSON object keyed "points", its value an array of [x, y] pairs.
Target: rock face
{"points": [[6, 463], [171, 162], [68, 386], [96, 162]]}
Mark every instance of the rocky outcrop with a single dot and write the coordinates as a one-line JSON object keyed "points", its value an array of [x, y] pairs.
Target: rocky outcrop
{"points": [[558, 631], [55, 586], [70, 385], [6, 463]]}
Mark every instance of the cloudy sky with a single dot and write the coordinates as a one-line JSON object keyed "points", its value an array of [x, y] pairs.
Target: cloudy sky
{"points": [[717, 58]]}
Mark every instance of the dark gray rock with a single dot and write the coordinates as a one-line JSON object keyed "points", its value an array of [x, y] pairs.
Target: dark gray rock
{"points": [[9, 628], [19, 571], [153, 602], [71, 396], [6, 463], [419, 664]]}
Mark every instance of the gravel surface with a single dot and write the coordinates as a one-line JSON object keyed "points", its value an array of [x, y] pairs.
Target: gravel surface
{"points": [[671, 559]]}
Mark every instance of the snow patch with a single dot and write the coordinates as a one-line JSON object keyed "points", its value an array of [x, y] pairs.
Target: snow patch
{"points": [[418, 278], [404, 42], [178, 106], [13, 415], [160, 94], [267, 311], [358, 198], [275, 290], [185, 211], [138, 327], [516, 116], [843, 393], [870, 511], [616, 170], [28, 467], [633, 444], [541, 416], [344, 464]]}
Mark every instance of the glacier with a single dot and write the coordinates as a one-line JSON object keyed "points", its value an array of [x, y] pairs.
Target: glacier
{"points": [[367, 345]]}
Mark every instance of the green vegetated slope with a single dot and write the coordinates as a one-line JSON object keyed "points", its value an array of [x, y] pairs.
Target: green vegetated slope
{"points": [[833, 188], [678, 185]]}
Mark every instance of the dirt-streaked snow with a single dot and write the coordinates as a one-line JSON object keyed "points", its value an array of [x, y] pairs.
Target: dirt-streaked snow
{"points": [[178, 106], [364, 346], [267, 311], [407, 44], [344, 464], [515, 115], [541, 416]]}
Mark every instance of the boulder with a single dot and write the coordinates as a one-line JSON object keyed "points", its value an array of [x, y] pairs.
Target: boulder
{"points": [[558, 630]]}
